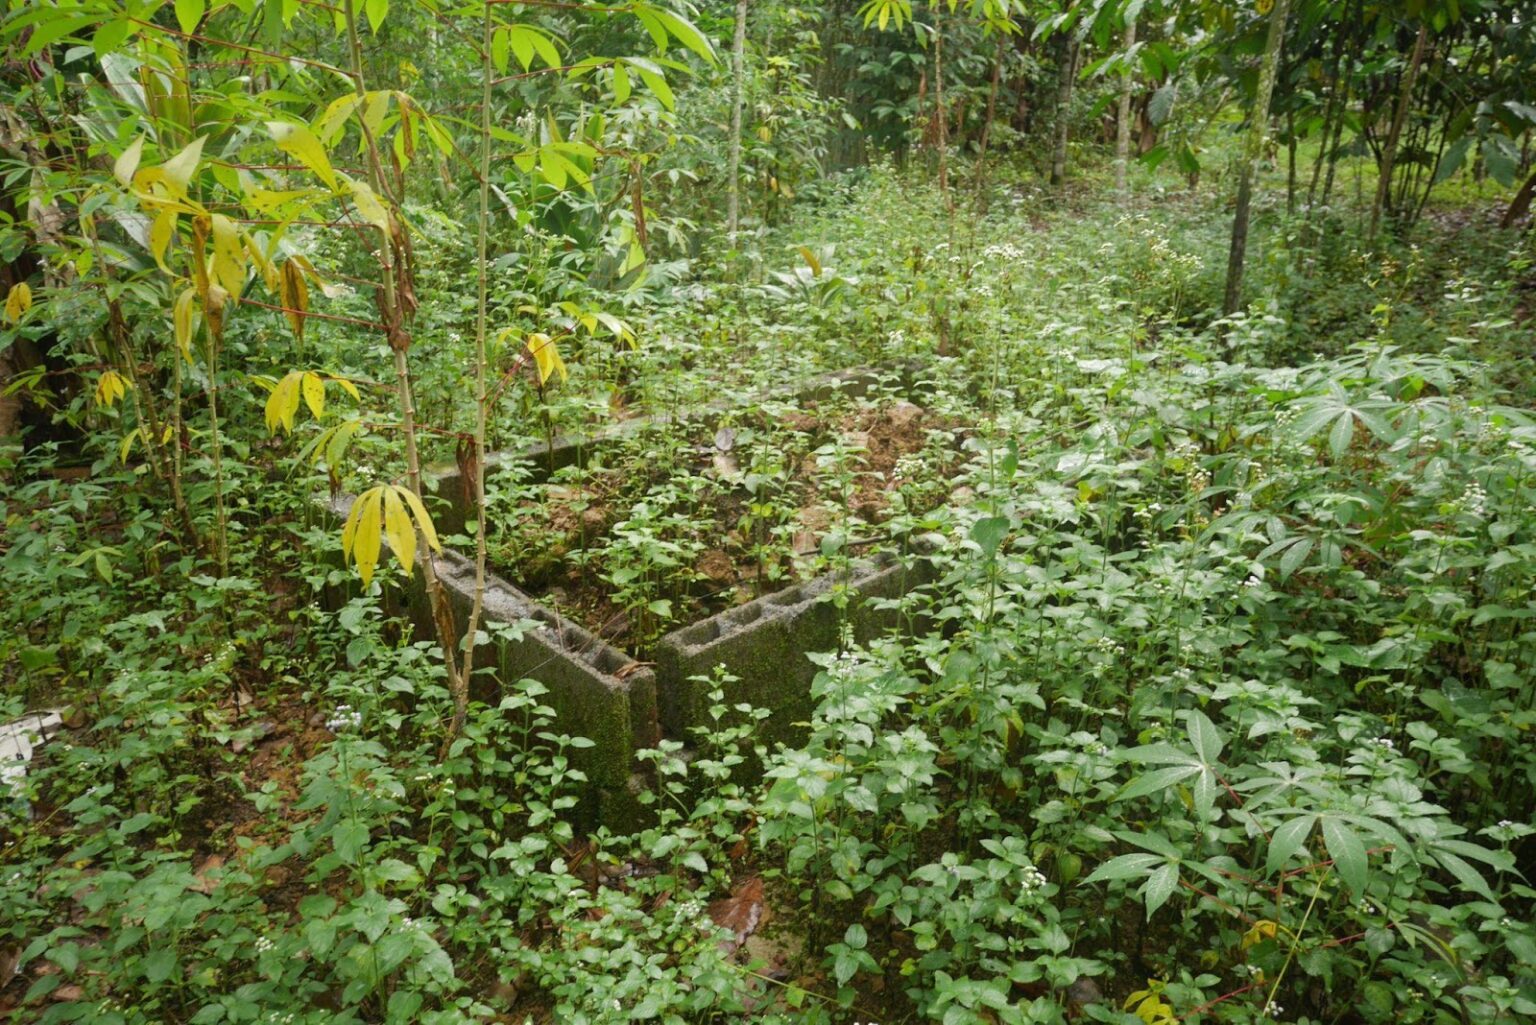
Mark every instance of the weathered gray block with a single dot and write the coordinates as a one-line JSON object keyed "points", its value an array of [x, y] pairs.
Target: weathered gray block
{"points": [[764, 644]]}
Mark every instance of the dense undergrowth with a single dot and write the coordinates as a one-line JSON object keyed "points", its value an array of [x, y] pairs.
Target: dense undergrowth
{"points": [[1223, 711]]}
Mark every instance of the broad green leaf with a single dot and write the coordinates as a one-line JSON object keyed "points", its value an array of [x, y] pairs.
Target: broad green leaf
{"points": [[1287, 839], [1125, 866], [1347, 851], [1469, 878], [1159, 887], [1204, 736], [684, 32], [1157, 782], [189, 14], [377, 11], [988, 533], [1343, 432]]}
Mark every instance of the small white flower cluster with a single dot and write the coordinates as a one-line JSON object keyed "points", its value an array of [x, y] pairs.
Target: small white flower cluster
{"points": [[346, 717], [264, 944], [1474, 501], [1272, 1009], [1366, 907], [1253, 971], [1385, 743], [1506, 823], [1003, 251], [845, 665], [1108, 646], [1253, 581], [1032, 879]]}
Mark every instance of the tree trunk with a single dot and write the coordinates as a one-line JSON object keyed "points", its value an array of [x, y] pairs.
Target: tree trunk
{"points": [[1257, 130], [1389, 149], [986, 125], [939, 109], [1521, 204], [1123, 119], [738, 75], [1064, 76]]}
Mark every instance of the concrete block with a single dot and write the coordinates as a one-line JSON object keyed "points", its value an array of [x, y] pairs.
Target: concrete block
{"points": [[764, 644]]}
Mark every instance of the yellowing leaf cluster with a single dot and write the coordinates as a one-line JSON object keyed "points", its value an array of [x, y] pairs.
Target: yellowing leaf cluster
{"points": [[387, 512], [110, 387], [17, 301], [301, 385]]}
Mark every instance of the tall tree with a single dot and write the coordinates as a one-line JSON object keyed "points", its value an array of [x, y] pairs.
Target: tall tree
{"points": [[738, 76], [1253, 150], [1123, 115], [1065, 73]]}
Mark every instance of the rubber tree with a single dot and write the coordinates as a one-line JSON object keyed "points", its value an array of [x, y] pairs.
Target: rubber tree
{"points": [[1253, 151]]}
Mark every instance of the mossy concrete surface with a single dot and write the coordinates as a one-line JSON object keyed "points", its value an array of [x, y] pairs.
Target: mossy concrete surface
{"points": [[764, 645]]}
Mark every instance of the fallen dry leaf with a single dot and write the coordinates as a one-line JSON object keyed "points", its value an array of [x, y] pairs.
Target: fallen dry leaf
{"points": [[741, 913]]}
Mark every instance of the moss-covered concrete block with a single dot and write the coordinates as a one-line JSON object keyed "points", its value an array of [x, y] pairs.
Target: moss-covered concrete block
{"points": [[764, 645]]}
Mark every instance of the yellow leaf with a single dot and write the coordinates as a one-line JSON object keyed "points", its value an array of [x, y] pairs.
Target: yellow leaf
{"points": [[127, 444], [810, 260], [228, 256], [301, 143], [368, 205], [546, 355], [1262, 930], [264, 266], [109, 388], [283, 403], [160, 234], [423, 521], [313, 386], [329, 125], [295, 296], [178, 171], [362, 537], [397, 527], [374, 111], [348, 387], [125, 165], [18, 301], [183, 317]]}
